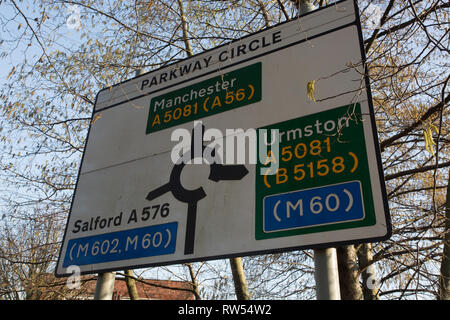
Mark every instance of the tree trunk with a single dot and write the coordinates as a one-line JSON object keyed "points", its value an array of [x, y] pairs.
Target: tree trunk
{"points": [[240, 283], [370, 284], [187, 44], [444, 278], [131, 285], [264, 13], [194, 281], [348, 273]]}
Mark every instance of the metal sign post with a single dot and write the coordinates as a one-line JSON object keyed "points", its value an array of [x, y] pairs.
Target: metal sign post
{"points": [[325, 260], [326, 274], [105, 286]]}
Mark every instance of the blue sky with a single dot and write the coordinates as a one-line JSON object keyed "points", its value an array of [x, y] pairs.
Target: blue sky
{"points": [[67, 35]]}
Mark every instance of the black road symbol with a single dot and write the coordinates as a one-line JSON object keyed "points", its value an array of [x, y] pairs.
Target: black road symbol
{"points": [[217, 173]]}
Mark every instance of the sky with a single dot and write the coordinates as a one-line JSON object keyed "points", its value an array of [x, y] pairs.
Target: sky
{"points": [[12, 25]]}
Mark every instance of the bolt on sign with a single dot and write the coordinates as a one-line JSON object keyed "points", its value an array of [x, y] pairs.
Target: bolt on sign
{"points": [[288, 167]]}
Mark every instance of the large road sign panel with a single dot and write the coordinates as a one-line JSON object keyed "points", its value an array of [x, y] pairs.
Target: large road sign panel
{"points": [[134, 207]]}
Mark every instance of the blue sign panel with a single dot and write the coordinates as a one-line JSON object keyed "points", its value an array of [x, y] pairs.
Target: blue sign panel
{"points": [[129, 244], [313, 207]]}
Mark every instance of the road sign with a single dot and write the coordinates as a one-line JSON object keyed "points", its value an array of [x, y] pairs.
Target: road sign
{"points": [[135, 206]]}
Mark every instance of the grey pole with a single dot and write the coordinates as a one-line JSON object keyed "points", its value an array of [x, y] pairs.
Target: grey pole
{"points": [[305, 6], [105, 286], [325, 260], [326, 274]]}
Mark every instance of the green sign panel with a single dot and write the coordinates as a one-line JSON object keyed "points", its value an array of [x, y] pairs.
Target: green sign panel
{"points": [[323, 180], [222, 93]]}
